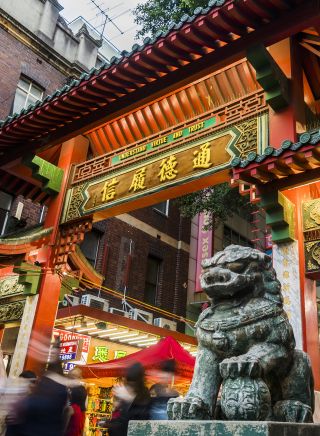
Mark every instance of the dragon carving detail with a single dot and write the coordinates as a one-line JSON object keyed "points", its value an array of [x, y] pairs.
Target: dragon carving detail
{"points": [[246, 347]]}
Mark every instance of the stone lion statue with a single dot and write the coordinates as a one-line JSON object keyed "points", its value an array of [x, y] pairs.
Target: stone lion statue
{"points": [[246, 347]]}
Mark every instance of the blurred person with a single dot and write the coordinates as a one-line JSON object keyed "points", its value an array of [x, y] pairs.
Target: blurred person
{"points": [[26, 384], [41, 412], [75, 414], [134, 401], [162, 391]]}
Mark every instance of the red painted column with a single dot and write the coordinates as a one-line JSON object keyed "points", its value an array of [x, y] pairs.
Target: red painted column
{"points": [[72, 152], [285, 124], [307, 287]]}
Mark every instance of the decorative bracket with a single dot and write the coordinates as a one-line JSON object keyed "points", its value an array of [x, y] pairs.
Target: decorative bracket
{"points": [[50, 175], [29, 277], [279, 216], [270, 76]]}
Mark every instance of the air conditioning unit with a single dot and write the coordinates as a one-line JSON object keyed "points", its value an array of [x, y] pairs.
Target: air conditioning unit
{"points": [[165, 323], [70, 300], [119, 312], [141, 315], [95, 302]]}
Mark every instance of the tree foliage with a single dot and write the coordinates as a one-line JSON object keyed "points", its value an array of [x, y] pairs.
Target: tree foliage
{"points": [[221, 201], [156, 15]]}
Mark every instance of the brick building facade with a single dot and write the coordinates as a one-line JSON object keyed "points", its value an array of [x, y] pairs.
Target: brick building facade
{"points": [[126, 244], [123, 249]]}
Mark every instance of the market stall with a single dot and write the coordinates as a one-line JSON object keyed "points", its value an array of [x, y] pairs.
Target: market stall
{"points": [[100, 377]]}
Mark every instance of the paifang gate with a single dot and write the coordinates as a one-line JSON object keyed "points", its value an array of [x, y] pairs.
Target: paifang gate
{"points": [[235, 85]]}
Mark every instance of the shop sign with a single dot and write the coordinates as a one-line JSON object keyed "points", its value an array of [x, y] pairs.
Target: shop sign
{"points": [[102, 354], [69, 366], [72, 345], [103, 351], [69, 347], [68, 356]]}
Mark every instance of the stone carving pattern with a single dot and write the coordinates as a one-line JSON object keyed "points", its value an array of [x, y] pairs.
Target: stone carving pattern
{"points": [[9, 286], [11, 311], [75, 203], [246, 347]]}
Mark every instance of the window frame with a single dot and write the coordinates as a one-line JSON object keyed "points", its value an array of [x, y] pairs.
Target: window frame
{"points": [[27, 93], [99, 236], [166, 213], [147, 282]]}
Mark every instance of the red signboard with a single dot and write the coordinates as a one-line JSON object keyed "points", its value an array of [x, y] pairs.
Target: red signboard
{"points": [[69, 347], [66, 336]]}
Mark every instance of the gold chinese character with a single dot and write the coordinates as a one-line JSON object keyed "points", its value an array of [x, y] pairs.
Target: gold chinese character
{"points": [[285, 263], [138, 180], [286, 300], [285, 274], [109, 190], [285, 287], [202, 159], [167, 169]]}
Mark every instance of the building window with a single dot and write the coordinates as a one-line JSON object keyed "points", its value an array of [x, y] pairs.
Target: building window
{"points": [[152, 279], [27, 93], [90, 246], [162, 207], [5, 205], [232, 237]]}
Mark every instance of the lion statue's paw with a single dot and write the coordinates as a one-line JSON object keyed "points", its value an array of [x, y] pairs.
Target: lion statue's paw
{"points": [[240, 366], [188, 408], [292, 411]]}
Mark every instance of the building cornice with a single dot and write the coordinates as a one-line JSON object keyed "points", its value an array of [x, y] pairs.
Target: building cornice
{"points": [[40, 48]]}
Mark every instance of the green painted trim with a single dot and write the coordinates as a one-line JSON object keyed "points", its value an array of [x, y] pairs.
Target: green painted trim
{"points": [[279, 216], [306, 138], [27, 236], [87, 263], [47, 173], [66, 286], [270, 77], [29, 277]]}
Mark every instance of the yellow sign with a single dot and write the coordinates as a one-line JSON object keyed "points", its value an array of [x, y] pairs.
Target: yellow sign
{"points": [[176, 165]]}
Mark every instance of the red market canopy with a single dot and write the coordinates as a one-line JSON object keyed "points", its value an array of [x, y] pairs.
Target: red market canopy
{"points": [[151, 358]]}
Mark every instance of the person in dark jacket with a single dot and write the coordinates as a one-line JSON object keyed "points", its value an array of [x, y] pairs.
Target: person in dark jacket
{"points": [[13, 418], [162, 391], [42, 411], [134, 398]]}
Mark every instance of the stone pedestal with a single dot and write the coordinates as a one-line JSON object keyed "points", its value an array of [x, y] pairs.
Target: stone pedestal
{"points": [[221, 428]]}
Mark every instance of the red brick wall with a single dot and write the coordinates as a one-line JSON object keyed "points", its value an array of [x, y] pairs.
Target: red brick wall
{"points": [[15, 59], [172, 292], [169, 225]]}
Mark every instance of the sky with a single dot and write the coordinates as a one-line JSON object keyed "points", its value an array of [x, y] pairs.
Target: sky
{"points": [[118, 10]]}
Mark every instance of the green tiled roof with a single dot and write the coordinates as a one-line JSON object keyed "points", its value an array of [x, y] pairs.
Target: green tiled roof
{"points": [[26, 236], [306, 138], [115, 60]]}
